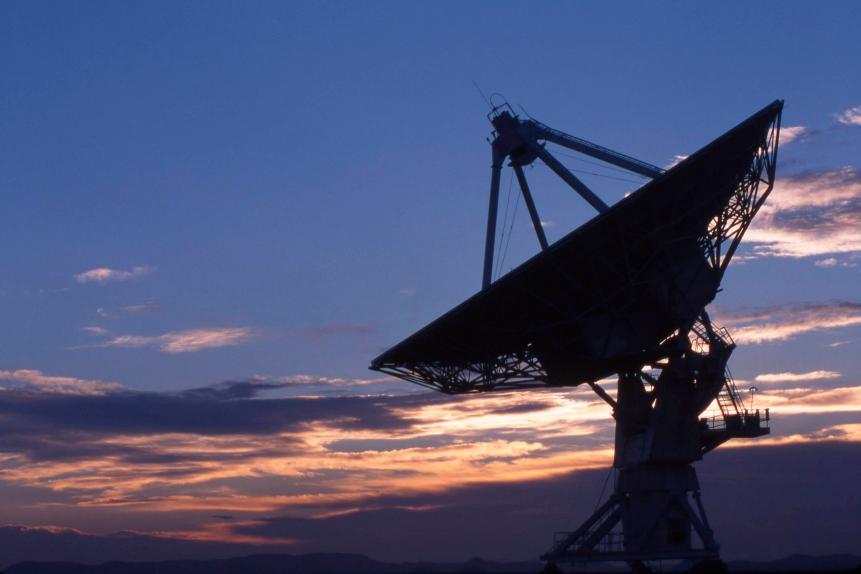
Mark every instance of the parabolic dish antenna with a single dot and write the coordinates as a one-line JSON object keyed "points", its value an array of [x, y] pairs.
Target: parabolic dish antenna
{"points": [[623, 295]]}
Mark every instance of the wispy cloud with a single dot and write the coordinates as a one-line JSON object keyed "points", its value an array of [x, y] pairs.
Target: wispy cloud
{"points": [[850, 117], [106, 274], [126, 310], [834, 262], [789, 134], [796, 377], [36, 380], [187, 341], [811, 400], [784, 322], [94, 330], [818, 213]]}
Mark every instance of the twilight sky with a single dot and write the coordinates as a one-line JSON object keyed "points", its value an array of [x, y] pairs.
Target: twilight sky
{"points": [[216, 214]]}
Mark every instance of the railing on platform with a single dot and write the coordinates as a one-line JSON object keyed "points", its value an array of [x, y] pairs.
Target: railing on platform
{"points": [[745, 420]]}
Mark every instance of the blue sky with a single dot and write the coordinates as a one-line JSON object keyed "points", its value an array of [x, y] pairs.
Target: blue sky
{"points": [[284, 189], [287, 167]]}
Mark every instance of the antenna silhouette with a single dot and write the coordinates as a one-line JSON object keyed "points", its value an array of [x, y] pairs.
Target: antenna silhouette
{"points": [[624, 295], [480, 93]]}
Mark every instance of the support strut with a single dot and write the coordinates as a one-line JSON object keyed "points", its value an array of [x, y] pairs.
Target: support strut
{"points": [[530, 205], [519, 141], [647, 518], [496, 170], [569, 178]]}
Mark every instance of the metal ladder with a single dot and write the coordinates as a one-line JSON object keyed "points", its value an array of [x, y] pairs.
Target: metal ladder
{"points": [[728, 399]]}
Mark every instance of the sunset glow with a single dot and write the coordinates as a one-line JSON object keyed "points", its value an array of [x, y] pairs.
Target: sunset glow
{"points": [[216, 215]]}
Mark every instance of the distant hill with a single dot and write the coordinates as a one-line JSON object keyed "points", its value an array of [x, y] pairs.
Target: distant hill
{"points": [[359, 564], [20, 544], [802, 563], [278, 564]]}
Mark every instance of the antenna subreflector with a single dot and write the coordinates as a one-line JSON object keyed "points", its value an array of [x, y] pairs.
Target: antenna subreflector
{"points": [[623, 295]]}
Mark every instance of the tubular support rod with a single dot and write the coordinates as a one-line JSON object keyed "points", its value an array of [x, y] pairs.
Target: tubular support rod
{"points": [[599, 390], [569, 178], [702, 510], [530, 205], [598, 152], [491, 220]]}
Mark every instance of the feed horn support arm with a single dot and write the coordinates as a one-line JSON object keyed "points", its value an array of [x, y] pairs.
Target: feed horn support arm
{"points": [[592, 149], [530, 205], [521, 142]]}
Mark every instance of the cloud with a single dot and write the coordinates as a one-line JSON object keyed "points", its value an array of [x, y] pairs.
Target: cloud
{"points": [[466, 520], [784, 322], [235, 449], [37, 380], [167, 452], [126, 310], [834, 262], [187, 341], [789, 134], [796, 377], [94, 330], [850, 117], [309, 386], [105, 274], [777, 477], [812, 400], [818, 213]]}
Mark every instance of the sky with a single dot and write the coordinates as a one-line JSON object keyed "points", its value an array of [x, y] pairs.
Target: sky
{"points": [[216, 214]]}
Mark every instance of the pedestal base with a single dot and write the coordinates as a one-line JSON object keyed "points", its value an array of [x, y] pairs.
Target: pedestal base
{"points": [[648, 517]]}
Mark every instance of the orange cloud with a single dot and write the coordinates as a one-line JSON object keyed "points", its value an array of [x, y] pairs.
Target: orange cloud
{"points": [[841, 433], [494, 438], [786, 322], [796, 377], [330, 465], [810, 400]]}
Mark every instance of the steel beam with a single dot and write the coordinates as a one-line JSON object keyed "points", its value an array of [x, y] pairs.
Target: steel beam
{"points": [[496, 169], [599, 390], [568, 177], [598, 152], [530, 205]]}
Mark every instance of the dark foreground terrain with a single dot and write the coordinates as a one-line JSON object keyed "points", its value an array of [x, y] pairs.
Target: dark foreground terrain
{"points": [[358, 564]]}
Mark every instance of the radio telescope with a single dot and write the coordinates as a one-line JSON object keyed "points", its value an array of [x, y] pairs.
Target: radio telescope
{"points": [[622, 296]]}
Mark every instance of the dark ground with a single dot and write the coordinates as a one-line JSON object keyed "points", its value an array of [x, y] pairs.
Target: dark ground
{"points": [[358, 564]]}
